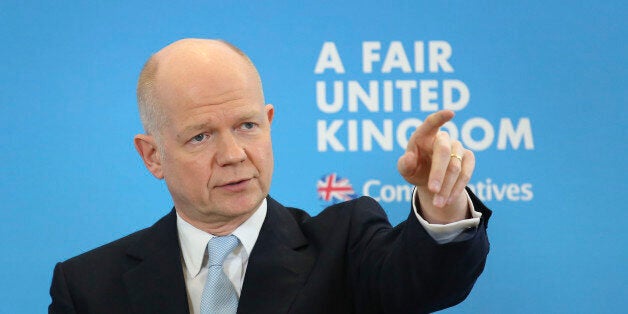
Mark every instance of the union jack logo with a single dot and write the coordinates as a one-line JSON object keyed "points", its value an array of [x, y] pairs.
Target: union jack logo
{"points": [[333, 188]]}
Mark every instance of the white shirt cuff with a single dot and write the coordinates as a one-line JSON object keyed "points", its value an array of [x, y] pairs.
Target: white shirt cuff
{"points": [[448, 232]]}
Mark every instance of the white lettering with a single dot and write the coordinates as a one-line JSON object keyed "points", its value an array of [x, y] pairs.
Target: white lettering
{"points": [[352, 135], [370, 132], [402, 131], [387, 193], [481, 123], [440, 51], [438, 55], [370, 54], [388, 96], [450, 128], [406, 88], [328, 135], [366, 189], [526, 188], [448, 89], [396, 58], [427, 95], [419, 55], [488, 191], [512, 192], [476, 134], [329, 59], [321, 97], [507, 132], [370, 99], [499, 192], [455, 96]]}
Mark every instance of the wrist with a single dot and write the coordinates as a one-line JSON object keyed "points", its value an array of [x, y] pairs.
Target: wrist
{"points": [[456, 211]]}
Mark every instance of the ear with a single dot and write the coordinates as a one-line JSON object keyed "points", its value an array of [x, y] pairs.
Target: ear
{"points": [[146, 146], [270, 112]]}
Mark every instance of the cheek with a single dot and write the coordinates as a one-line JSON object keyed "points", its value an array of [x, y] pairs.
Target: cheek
{"points": [[189, 169], [260, 151], [265, 165]]}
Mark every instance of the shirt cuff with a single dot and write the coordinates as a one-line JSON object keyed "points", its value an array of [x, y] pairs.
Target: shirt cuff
{"points": [[445, 233]]}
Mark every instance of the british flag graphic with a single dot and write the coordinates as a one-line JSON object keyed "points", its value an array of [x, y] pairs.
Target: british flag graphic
{"points": [[332, 187]]}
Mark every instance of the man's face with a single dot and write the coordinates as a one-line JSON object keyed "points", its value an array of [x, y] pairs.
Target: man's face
{"points": [[217, 154]]}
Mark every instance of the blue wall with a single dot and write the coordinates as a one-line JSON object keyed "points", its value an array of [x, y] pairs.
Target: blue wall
{"points": [[553, 71]]}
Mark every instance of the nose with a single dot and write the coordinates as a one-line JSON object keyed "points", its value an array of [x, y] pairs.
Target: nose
{"points": [[230, 151]]}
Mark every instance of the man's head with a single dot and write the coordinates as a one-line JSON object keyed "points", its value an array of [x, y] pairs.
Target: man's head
{"points": [[208, 131]]}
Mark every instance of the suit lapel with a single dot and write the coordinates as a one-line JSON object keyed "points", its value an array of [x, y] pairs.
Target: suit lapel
{"points": [[278, 266], [156, 284]]}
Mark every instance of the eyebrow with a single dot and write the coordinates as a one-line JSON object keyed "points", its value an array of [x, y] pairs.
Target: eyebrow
{"points": [[191, 128], [249, 115]]}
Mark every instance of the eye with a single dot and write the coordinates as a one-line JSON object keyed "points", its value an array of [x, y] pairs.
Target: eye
{"points": [[198, 138], [248, 125]]}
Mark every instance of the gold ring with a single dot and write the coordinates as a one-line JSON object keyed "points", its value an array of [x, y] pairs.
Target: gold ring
{"points": [[456, 156]]}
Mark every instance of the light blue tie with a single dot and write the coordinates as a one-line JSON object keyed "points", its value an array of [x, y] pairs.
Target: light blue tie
{"points": [[219, 296]]}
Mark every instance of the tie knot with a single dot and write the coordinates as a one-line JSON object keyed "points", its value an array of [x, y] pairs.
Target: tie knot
{"points": [[219, 247]]}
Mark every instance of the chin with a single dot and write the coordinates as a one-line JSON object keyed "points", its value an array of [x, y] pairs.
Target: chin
{"points": [[243, 205]]}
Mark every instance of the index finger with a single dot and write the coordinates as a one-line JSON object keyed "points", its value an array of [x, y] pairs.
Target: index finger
{"points": [[429, 128], [433, 122]]}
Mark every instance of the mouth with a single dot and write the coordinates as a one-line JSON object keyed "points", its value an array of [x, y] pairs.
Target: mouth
{"points": [[235, 185]]}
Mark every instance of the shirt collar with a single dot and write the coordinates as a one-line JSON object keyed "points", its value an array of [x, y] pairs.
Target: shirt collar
{"points": [[194, 241]]}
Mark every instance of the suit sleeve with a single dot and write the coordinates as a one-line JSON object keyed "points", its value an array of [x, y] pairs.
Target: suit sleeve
{"points": [[60, 294], [404, 270]]}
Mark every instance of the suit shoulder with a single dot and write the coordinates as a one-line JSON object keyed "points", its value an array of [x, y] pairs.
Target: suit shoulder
{"points": [[361, 206], [107, 251], [162, 232], [360, 211]]}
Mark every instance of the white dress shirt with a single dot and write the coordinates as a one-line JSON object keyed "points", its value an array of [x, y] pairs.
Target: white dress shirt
{"points": [[194, 241], [444, 233]]}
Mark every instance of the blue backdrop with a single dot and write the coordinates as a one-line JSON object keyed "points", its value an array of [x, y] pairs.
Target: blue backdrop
{"points": [[538, 88]]}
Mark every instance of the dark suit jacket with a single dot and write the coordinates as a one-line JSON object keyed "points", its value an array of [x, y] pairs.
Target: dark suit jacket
{"points": [[348, 259]]}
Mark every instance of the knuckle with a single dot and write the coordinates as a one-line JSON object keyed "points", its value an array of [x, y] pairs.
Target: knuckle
{"points": [[469, 154], [464, 177], [470, 158], [454, 168], [442, 145], [455, 192]]}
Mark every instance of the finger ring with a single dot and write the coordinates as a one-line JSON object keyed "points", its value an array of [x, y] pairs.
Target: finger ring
{"points": [[456, 156]]}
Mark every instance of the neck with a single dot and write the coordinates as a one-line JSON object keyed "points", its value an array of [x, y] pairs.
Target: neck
{"points": [[217, 226]]}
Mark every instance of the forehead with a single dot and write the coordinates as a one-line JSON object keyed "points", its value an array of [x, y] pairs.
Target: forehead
{"points": [[205, 74], [207, 118]]}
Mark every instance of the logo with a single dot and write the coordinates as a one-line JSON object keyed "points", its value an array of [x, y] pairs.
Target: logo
{"points": [[333, 188]]}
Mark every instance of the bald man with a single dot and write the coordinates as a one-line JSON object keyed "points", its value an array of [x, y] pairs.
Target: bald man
{"points": [[207, 135]]}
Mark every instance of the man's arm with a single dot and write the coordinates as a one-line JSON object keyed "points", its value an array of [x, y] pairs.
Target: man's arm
{"points": [[406, 270], [421, 274], [445, 233], [61, 299]]}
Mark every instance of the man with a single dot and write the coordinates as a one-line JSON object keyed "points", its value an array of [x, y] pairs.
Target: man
{"points": [[208, 136]]}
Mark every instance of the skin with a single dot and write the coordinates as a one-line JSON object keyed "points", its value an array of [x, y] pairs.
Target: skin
{"points": [[440, 179], [215, 152]]}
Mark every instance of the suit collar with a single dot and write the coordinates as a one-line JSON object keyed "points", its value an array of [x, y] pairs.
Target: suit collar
{"points": [[279, 264], [156, 283], [194, 241], [278, 267]]}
